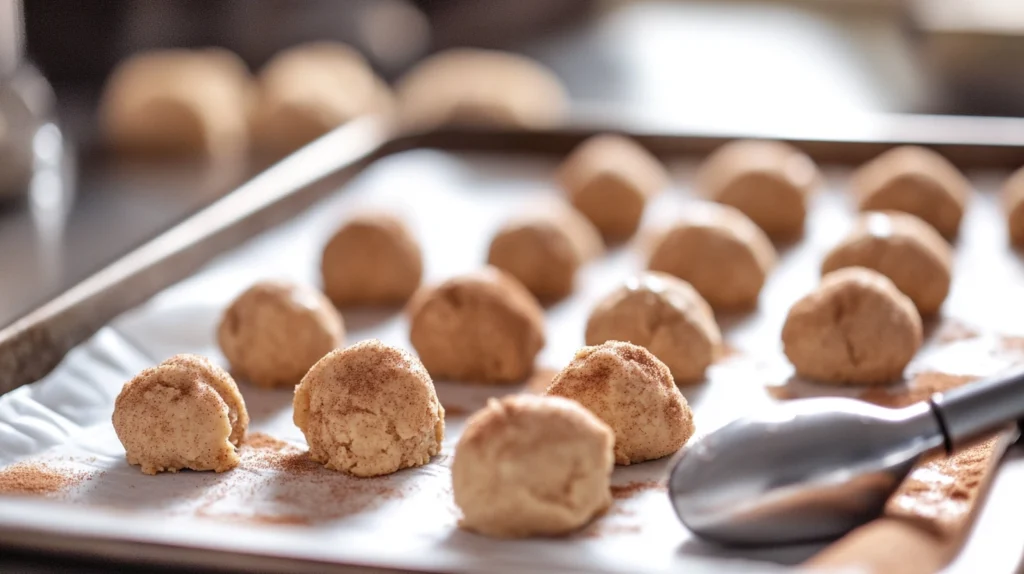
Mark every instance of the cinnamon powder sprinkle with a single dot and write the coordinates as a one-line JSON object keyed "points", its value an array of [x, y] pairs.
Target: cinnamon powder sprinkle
{"points": [[630, 489], [38, 479]]}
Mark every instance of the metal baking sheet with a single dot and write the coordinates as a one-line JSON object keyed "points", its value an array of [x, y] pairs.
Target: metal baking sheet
{"points": [[454, 202]]}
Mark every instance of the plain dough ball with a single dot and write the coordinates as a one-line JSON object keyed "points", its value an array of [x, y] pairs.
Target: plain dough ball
{"points": [[468, 86], [666, 316], [720, 252], [771, 182], [178, 102], [1013, 200], [482, 327], [914, 180], [633, 392], [369, 410], [903, 248], [544, 250], [855, 328], [373, 259], [275, 331], [310, 89], [609, 179], [528, 466], [184, 413]]}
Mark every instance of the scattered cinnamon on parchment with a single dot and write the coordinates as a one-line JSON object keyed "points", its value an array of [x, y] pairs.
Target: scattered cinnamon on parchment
{"points": [[277, 483], [630, 489], [38, 479]]}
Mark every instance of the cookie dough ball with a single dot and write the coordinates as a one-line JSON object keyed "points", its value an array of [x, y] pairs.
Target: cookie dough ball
{"points": [[903, 248], [769, 181], [308, 90], [184, 413], [1013, 201], [609, 178], [532, 466], [544, 249], [855, 328], [373, 259], [914, 180], [482, 327], [720, 252], [480, 87], [275, 331], [369, 410], [633, 392], [178, 102], [666, 316]]}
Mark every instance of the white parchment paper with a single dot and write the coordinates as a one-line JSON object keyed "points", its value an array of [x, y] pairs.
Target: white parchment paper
{"points": [[454, 203]]}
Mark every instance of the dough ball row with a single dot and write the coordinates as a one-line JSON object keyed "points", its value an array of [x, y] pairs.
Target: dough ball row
{"points": [[541, 465], [206, 103]]}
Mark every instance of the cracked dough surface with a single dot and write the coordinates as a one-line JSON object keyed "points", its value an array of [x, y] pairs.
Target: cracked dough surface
{"points": [[633, 392], [275, 331], [903, 248], [855, 328], [914, 180], [368, 410], [184, 413], [666, 316], [532, 466], [481, 327]]}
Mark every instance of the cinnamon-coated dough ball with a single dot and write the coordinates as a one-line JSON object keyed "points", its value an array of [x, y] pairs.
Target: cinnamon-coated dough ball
{"points": [[609, 178], [914, 180], [633, 392], [184, 413], [903, 248], [1013, 201], [482, 327], [373, 259], [855, 328], [720, 252], [666, 316], [310, 89], [544, 249], [532, 466], [369, 410], [467, 86], [274, 331], [771, 182], [178, 102]]}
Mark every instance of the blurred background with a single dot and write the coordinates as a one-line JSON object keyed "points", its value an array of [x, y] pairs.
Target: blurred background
{"points": [[728, 63]]}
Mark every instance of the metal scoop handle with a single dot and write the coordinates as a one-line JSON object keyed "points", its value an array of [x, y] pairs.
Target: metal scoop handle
{"points": [[975, 410]]}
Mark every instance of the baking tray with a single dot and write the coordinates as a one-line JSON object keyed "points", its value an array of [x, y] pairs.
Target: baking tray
{"points": [[33, 346]]}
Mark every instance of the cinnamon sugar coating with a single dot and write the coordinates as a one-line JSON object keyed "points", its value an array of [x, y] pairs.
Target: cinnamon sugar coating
{"points": [[368, 410], [184, 413], [633, 392]]}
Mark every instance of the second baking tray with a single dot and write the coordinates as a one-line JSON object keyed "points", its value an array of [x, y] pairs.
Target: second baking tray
{"points": [[454, 201]]}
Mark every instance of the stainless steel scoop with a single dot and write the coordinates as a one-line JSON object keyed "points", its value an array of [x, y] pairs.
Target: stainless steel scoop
{"points": [[814, 469]]}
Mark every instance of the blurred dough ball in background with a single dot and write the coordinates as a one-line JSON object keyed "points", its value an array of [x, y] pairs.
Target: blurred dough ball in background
{"points": [[609, 178], [544, 248], [1013, 201], [178, 102], [718, 250], [917, 181], [480, 87], [769, 181], [310, 89]]}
